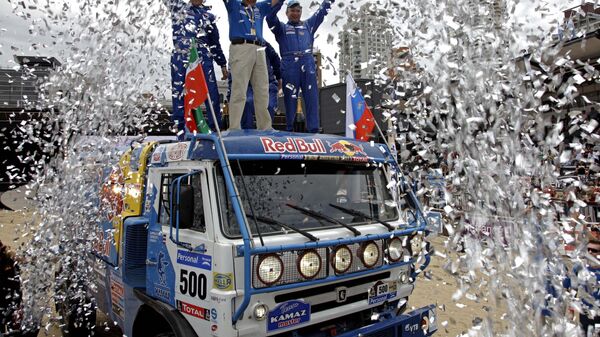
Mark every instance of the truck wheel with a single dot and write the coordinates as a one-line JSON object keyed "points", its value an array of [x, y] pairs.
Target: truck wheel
{"points": [[165, 334]]}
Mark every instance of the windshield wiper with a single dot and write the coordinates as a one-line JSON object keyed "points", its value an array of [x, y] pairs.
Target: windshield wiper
{"points": [[322, 216], [276, 224], [364, 215]]}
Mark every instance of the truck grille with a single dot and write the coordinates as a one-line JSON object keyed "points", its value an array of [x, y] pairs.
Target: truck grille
{"points": [[330, 289]]}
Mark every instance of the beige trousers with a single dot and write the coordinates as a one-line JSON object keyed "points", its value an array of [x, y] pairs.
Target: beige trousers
{"points": [[249, 65]]}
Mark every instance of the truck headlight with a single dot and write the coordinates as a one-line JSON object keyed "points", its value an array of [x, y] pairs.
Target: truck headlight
{"points": [[309, 264], [369, 254], [260, 312], [342, 259], [395, 250], [416, 244], [270, 269]]}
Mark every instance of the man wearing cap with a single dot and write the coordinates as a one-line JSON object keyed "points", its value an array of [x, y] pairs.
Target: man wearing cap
{"points": [[247, 59], [298, 66], [194, 21]]}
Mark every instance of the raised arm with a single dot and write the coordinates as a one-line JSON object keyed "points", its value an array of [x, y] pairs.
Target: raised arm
{"points": [[317, 19], [214, 45], [273, 21]]}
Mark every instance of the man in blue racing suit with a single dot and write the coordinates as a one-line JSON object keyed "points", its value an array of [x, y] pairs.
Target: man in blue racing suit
{"points": [[193, 20], [298, 66]]}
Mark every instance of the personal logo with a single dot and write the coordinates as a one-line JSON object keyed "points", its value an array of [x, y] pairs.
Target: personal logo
{"points": [[342, 294], [223, 281], [194, 259], [288, 314], [292, 145], [347, 148]]}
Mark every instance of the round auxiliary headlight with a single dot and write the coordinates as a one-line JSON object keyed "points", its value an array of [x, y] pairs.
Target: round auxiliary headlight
{"points": [[425, 323], [309, 264], [260, 312], [270, 269], [395, 250], [416, 245], [342, 259], [369, 254]]}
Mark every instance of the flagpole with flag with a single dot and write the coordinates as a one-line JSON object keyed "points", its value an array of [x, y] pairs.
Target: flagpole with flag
{"points": [[359, 118], [196, 93]]}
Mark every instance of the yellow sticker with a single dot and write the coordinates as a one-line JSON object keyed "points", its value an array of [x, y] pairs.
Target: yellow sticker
{"points": [[223, 281]]}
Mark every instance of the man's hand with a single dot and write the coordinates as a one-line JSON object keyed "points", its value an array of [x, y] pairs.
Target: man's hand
{"points": [[225, 73], [280, 85]]}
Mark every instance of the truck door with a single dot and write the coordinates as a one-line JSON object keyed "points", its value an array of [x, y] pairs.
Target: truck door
{"points": [[191, 246]]}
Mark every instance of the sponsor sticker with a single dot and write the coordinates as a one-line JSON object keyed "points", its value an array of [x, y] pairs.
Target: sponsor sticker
{"points": [[223, 281], [292, 145], [347, 148], [194, 259], [177, 152], [382, 291], [288, 314], [193, 310], [162, 293]]}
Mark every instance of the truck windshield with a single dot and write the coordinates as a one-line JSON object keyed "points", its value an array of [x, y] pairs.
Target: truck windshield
{"points": [[314, 185]]}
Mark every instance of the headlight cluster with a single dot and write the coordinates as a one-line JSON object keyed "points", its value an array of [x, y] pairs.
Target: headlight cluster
{"points": [[312, 264]]}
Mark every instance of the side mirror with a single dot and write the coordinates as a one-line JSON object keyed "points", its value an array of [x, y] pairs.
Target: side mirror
{"points": [[186, 206]]}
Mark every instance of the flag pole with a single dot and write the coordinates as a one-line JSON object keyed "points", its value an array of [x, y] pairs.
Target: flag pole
{"points": [[228, 167]]}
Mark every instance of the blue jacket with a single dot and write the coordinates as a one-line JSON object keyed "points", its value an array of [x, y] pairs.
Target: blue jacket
{"points": [[195, 22], [297, 38], [241, 17]]}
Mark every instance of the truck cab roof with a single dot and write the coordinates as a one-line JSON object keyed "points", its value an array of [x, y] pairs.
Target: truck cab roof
{"points": [[272, 145]]}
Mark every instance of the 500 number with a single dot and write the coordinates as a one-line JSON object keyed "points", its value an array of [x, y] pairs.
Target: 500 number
{"points": [[192, 284]]}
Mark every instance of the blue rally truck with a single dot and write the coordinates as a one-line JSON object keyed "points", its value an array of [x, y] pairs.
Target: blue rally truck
{"points": [[260, 234]]}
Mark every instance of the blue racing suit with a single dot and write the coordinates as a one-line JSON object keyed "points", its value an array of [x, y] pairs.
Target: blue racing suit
{"points": [[298, 67], [274, 70], [194, 22]]}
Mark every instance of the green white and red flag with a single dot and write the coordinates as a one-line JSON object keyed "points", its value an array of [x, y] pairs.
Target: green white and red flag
{"points": [[196, 93]]}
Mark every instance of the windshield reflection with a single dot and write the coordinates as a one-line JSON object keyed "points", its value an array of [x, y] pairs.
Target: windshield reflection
{"points": [[270, 185]]}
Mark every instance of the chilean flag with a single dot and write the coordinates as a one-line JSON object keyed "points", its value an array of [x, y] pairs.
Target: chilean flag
{"points": [[359, 118]]}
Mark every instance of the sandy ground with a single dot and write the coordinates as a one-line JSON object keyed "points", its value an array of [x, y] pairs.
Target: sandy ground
{"points": [[454, 318]]}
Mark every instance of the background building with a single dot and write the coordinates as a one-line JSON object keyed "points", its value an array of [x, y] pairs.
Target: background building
{"points": [[365, 42]]}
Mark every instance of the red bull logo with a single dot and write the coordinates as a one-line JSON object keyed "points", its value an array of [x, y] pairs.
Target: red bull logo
{"points": [[292, 145], [347, 148]]}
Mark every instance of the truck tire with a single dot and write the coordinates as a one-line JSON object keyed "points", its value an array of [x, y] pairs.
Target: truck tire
{"points": [[165, 334]]}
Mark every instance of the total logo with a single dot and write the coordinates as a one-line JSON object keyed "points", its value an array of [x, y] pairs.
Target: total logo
{"points": [[347, 148]]}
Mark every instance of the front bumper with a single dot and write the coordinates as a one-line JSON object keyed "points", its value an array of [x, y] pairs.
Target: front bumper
{"points": [[405, 325]]}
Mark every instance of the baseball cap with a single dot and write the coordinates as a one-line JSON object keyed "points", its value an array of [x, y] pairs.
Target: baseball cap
{"points": [[293, 3]]}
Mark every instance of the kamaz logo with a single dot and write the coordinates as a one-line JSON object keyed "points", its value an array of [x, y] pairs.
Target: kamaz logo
{"points": [[288, 316]]}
